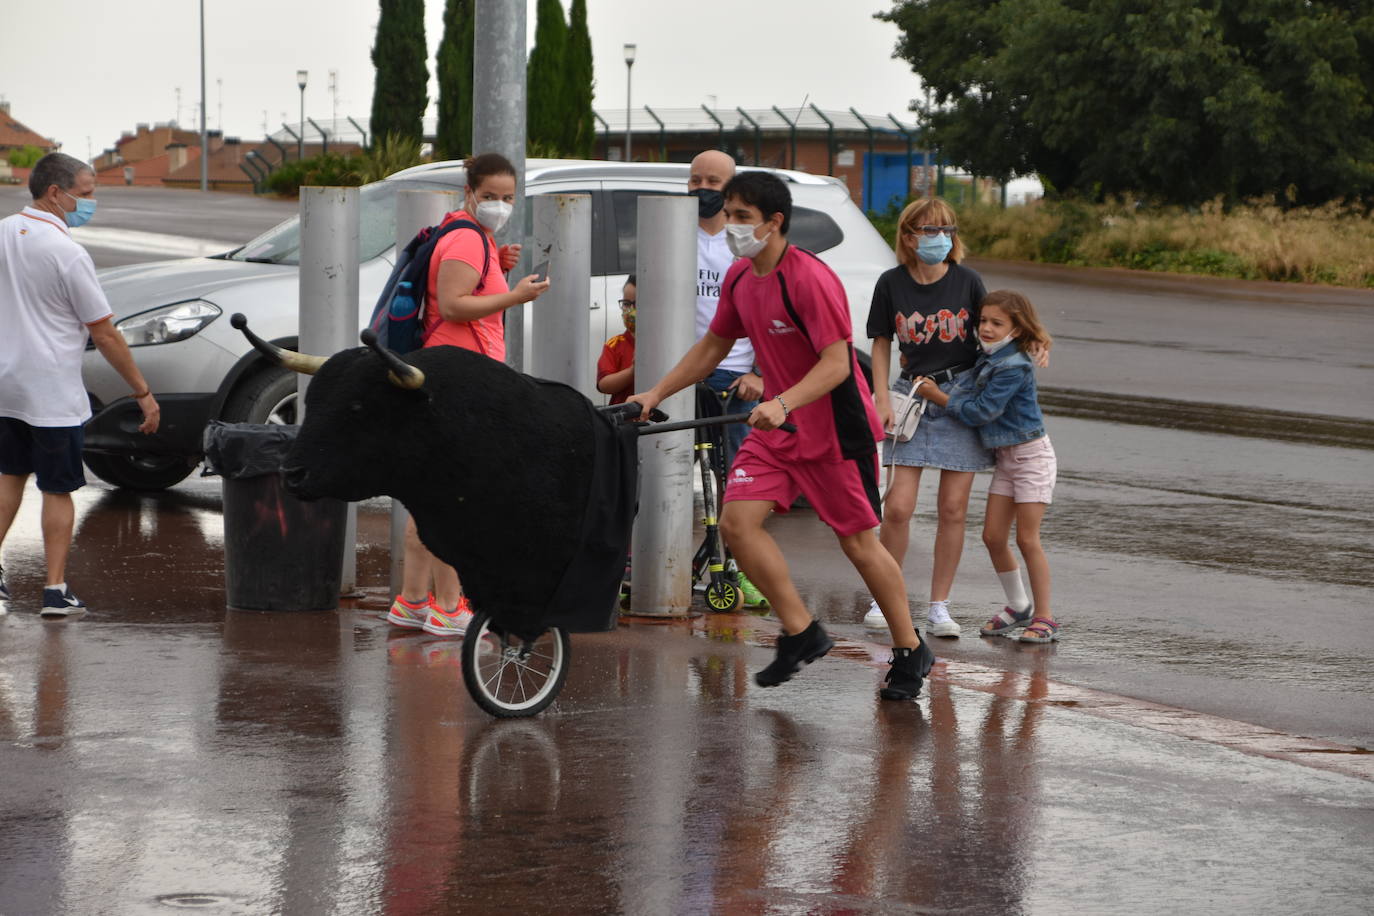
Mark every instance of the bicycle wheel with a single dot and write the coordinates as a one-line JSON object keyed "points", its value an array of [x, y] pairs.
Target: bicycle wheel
{"points": [[723, 596], [510, 677]]}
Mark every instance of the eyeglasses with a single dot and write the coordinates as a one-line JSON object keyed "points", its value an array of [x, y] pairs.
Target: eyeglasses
{"points": [[627, 303], [931, 231]]}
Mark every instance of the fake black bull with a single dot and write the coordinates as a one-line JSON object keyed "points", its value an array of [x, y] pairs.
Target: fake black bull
{"points": [[516, 482]]}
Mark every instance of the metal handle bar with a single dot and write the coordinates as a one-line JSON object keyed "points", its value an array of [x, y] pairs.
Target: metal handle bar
{"points": [[628, 412], [649, 429]]}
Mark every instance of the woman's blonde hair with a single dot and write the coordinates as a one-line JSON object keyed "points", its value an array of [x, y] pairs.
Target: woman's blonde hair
{"points": [[1022, 315], [926, 211]]}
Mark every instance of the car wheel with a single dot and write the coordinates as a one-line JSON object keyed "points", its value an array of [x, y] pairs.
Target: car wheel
{"points": [[140, 472], [267, 397]]}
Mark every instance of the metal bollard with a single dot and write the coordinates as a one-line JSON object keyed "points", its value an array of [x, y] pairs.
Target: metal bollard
{"points": [[414, 211], [664, 331], [560, 346], [329, 306], [498, 126]]}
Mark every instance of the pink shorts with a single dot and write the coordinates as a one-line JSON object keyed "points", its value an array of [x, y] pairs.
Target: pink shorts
{"points": [[844, 493], [1025, 472]]}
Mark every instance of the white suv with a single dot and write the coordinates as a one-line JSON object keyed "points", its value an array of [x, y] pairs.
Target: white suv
{"points": [[202, 369]]}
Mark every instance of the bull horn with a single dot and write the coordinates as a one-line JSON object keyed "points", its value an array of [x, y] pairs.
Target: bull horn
{"points": [[303, 363], [402, 374]]}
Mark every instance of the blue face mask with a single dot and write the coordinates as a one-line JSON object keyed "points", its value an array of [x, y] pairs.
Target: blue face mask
{"points": [[934, 250], [85, 209]]}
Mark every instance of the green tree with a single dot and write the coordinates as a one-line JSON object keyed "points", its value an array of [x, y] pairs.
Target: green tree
{"points": [[399, 94], [1180, 100], [454, 67], [546, 83], [580, 130], [25, 156]]}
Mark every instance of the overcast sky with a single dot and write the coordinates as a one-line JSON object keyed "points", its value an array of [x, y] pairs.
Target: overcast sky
{"points": [[76, 69]]}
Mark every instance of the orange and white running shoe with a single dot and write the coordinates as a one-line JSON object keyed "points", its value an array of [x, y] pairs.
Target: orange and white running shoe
{"points": [[456, 624], [405, 614]]}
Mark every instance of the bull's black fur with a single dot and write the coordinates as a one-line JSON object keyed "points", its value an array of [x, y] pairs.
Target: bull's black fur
{"points": [[494, 466]]}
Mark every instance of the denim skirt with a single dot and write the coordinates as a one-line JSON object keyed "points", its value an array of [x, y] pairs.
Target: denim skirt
{"points": [[941, 441]]}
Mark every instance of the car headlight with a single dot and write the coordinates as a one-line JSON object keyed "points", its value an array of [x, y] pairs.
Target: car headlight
{"points": [[168, 323]]}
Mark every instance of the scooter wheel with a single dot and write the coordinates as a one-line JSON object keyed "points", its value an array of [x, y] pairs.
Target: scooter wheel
{"points": [[723, 596]]}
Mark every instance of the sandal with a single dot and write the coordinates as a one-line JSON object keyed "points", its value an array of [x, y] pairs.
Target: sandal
{"points": [[1006, 621], [1041, 629]]}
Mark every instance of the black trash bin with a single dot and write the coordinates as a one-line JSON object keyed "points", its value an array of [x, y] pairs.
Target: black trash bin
{"points": [[280, 553]]}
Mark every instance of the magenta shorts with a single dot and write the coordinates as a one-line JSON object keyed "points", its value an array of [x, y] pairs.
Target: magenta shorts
{"points": [[1025, 472], [844, 493]]}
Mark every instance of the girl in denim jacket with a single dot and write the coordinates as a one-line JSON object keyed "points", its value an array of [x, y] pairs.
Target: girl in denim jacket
{"points": [[998, 398]]}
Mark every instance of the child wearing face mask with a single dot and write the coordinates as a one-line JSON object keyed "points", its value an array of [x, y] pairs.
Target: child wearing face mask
{"points": [[615, 370], [998, 398]]}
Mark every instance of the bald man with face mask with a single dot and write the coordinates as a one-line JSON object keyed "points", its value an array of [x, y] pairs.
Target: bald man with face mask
{"points": [[736, 379]]}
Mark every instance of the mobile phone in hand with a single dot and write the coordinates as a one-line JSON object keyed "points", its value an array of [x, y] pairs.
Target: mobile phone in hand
{"points": [[541, 272]]}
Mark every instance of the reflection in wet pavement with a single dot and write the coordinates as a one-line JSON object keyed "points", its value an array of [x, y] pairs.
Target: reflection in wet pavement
{"points": [[163, 753], [319, 762]]}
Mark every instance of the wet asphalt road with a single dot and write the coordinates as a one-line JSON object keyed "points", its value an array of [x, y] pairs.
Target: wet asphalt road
{"points": [[133, 225], [163, 751], [1215, 589]]}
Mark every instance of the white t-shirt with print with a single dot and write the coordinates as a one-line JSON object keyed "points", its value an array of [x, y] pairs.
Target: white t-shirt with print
{"points": [[713, 260], [48, 295]]}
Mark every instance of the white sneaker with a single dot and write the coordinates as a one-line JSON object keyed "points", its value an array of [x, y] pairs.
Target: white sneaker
{"points": [[874, 618], [941, 624]]}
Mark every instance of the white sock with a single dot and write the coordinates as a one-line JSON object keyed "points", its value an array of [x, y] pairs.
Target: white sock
{"points": [[61, 586], [1017, 599], [939, 610]]}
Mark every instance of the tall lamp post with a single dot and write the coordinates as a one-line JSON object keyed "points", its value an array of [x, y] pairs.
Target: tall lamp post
{"points": [[629, 65], [204, 150], [300, 143]]}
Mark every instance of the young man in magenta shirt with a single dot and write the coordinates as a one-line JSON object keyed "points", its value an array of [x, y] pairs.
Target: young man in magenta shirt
{"points": [[794, 309]]}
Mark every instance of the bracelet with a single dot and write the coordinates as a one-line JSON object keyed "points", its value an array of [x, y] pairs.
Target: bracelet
{"points": [[786, 411], [139, 397]]}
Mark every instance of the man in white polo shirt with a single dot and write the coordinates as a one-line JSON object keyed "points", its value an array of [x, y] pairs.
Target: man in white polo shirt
{"points": [[50, 301]]}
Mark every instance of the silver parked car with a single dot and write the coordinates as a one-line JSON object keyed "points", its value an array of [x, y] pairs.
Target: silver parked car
{"points": [[201, 369]]}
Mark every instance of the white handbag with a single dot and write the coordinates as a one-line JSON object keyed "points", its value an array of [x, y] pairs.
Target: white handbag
{"points": [[906, 415]]}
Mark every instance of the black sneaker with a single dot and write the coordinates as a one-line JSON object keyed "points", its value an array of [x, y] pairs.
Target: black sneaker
{"points": [[793, 652], [59, 602], [908, 672], [4, 588]]}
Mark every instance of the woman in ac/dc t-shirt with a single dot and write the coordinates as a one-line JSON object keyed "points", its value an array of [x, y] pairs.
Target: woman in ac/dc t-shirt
{"points": [[929, 305], [466, 298]]}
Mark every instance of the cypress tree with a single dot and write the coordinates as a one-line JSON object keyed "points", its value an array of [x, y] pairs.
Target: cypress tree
{"points": [[399, 95], [546, 79], [454, 65], [580, 132]]}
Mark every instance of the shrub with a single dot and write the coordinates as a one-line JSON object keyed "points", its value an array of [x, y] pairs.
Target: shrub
{"points": [[1260, 239], [24, 157], [327, 169], [387, 156]]}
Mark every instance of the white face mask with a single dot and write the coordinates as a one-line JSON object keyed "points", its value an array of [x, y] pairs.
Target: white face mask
{"points": [[741, 242], [493, 214], [991, 348]]}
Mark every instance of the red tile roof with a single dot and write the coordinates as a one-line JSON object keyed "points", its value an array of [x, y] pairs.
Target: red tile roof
{"points": [[147, 171], [14, 134]]}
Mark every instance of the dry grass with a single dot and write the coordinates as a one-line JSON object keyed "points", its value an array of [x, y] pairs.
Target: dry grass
{"points": [[1260, 240]]}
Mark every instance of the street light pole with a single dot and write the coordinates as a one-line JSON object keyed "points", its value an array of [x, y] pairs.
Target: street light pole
{"points": [[300, 81], [204, 147], [629, 66]]}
